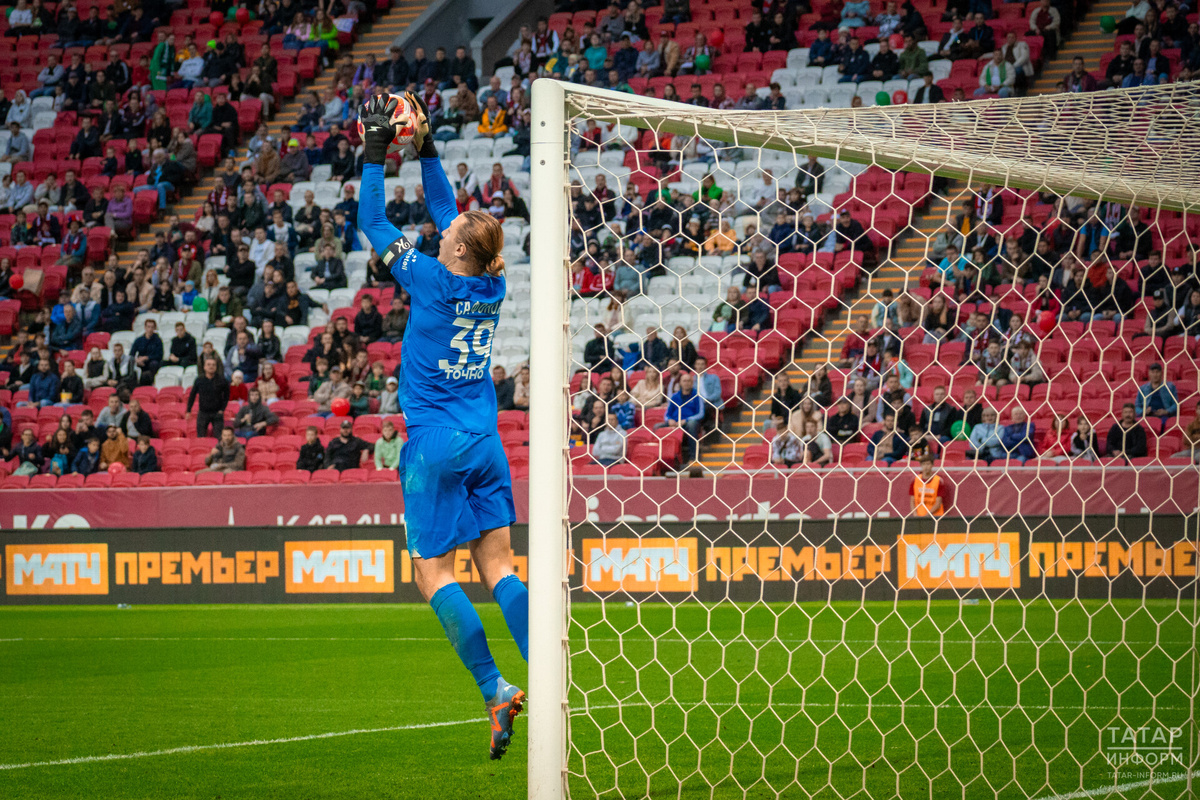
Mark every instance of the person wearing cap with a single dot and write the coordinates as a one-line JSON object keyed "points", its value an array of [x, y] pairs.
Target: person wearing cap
{"points": [[295, 166], [849, 234], [389, 398], [1156, 397], [1162, 320], [188, 295], [346, 451]]}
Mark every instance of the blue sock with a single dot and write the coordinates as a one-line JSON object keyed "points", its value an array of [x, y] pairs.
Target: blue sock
{"points": [[465, 632], [513, 598]]}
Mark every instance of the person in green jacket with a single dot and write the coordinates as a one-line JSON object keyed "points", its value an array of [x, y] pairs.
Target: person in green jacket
{"points": [[387, 448], [913, 61], [200, 117], [325, 35], [162, 61]]}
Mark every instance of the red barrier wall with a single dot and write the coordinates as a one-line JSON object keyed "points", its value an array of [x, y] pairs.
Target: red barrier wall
{"points": [[1000, 493]]}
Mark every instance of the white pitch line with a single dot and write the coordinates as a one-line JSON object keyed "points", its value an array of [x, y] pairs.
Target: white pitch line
{"points": [[230, 745], [450, 723], [656, 640], [1102, 791]]}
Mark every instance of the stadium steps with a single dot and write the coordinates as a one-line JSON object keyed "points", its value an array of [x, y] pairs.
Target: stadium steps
{"points": [[376, 37], [743, 428], [1087, 41], [903, 268]]}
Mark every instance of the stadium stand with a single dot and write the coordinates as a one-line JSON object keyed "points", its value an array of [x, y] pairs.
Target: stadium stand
{"points": [[324, 321]]}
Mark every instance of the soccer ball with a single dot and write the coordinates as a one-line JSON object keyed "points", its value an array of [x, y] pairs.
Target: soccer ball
{"points": [[405, 134]]}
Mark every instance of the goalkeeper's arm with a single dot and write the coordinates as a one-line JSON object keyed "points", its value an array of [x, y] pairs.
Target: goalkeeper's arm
{"points": [[378, 132]]}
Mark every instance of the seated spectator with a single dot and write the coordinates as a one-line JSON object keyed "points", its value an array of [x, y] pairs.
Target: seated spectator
{"points": [[856, 66], [29, 452], [1162, 319], [952, 43], [1078, 79], [608, 444], [312, 452], [1156, 397], [145, 458], [885, 443], [997, 77], [885, 64], [43, 385], [843, 425], [118, 213], [757, 315], [70, 389], [328, 391], [985, 443], [1023, 365], [329, 272], [939, 417], [387, 447], [818, 448], [346, 451], [68, 333], [649, 391], [1061, 444], [686, 410], [115, 449], [1127, 437], [784, 397], [229, 455], [255, 417], [786, 448], [993, 367], [1191, 439], [1018, 437], [87, 460]]}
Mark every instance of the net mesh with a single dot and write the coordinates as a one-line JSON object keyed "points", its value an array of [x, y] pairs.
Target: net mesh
{"points": [[767, 596]]}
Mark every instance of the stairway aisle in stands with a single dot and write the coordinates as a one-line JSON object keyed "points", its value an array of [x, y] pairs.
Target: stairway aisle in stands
{"points": [[903, 270], [375, 38], [1087, 41]]}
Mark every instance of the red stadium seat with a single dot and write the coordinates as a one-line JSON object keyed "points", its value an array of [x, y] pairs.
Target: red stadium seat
{"points": [[295, 476]]}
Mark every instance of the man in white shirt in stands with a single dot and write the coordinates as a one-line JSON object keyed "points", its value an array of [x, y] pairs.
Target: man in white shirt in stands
{"points": [[262, 249]]}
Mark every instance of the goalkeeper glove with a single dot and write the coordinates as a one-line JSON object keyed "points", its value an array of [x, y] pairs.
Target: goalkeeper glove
{"points": [[422, 140], [378, 128]]}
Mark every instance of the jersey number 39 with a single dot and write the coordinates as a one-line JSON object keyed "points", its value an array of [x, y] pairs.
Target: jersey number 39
{"points": [[473, 335]]}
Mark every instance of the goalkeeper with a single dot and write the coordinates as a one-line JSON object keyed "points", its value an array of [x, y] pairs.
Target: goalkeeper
{"points": [[453, 470]]}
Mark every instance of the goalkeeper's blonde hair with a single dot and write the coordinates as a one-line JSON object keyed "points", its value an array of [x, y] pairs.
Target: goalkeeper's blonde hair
{"points": [[483, 237]]}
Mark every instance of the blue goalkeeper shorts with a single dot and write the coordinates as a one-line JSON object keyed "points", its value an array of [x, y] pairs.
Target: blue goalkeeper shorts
{"points": [[456, 484]]}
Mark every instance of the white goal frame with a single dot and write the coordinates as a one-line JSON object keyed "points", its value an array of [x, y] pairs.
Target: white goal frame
{"points": [[870, 135]]}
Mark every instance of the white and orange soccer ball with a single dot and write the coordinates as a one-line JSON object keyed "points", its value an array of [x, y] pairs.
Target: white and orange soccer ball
{"points": [[405, 134]]}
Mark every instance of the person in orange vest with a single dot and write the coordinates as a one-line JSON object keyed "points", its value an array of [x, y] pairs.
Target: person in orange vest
{"points": [[925, 494]]}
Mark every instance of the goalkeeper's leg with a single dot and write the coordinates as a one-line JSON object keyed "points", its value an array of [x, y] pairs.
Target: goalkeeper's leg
{"points": [[492, 554], [464, 629]]}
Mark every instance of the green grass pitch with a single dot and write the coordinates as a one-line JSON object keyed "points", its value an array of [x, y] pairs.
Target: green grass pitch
{"points": [[694, 701]]}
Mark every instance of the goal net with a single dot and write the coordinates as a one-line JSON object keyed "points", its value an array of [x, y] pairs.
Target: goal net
{"points": [[863, 448]]}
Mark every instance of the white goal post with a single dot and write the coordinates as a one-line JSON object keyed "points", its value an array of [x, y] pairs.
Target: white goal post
{"points": [[1139, 146]]}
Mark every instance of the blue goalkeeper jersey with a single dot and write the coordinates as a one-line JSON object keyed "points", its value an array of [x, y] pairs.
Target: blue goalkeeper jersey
{"points": [[445, 363]]}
